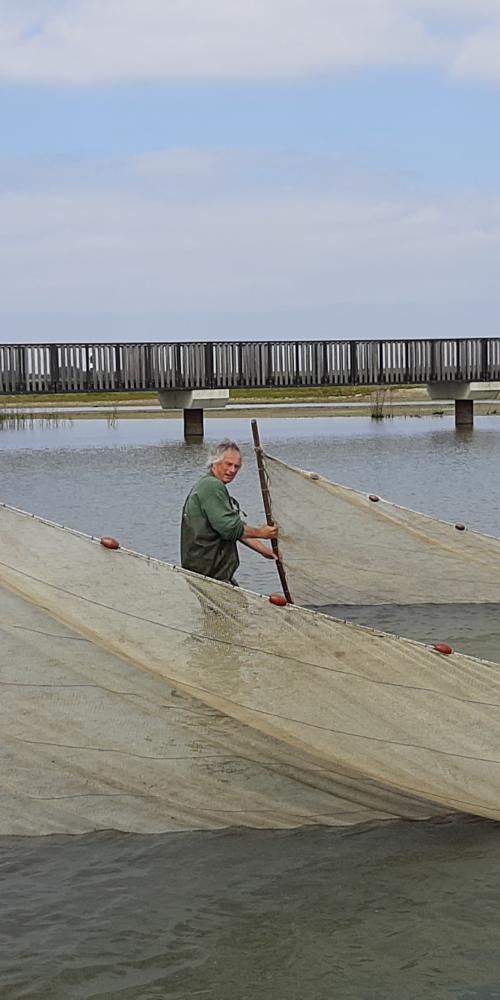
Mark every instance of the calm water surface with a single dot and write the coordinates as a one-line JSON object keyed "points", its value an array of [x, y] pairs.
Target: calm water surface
{"points": [[395, 911]]}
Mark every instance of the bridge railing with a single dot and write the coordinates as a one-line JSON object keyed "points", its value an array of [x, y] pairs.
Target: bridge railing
{"points": [[41, 368]]}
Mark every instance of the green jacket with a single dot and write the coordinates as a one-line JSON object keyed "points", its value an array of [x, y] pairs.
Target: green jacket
{"points": [[211, 526]]}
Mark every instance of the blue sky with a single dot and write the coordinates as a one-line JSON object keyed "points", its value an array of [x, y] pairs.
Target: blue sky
{"points": [[166, 174], [434, 131]]}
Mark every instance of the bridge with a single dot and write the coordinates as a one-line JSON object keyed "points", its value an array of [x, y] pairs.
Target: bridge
{"points": [[191, 376]]}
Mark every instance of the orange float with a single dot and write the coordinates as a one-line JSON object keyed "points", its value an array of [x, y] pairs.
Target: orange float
{"points": [[110, 543], [443, 647], [278, 599], [460, 527]]}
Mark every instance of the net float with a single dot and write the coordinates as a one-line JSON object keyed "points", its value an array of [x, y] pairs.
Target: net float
{"points": [[460, 527], [110, 543], [278, 599], [443, 647], [374, 498]]}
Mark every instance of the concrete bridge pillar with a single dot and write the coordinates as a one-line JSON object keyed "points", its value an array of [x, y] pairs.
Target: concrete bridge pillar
{"points": [[463, 395], [193, 424], [464, 413], [193, 403]]}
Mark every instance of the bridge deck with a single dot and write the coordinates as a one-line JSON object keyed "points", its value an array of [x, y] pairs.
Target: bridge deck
{"points": [[40, 368]]}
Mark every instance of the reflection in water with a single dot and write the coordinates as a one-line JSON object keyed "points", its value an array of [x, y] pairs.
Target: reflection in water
{"points": [[14, 420]]}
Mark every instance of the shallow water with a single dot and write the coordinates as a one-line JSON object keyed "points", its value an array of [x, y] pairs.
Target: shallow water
{"points": [[374, 913], [473, 629], [395, 911]]}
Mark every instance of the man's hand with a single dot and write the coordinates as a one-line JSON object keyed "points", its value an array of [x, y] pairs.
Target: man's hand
{"points": [[269, 531], [271, 554]]}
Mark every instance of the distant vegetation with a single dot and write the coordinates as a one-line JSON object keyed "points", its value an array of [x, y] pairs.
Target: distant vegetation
{"points": [[317, 393], [314, 393]]}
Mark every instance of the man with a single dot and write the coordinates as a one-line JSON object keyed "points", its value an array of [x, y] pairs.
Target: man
{"points": [[212, 524]]}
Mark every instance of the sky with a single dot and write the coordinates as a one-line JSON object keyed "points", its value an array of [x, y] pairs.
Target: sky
{"points": [[249, 169]]}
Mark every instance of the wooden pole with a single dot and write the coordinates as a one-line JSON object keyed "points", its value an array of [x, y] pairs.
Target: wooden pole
{"points": [[266, 497]]}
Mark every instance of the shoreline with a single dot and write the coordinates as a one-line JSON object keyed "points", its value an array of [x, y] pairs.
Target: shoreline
{"points": [[417, 409], [377, 403], [312, 394]]}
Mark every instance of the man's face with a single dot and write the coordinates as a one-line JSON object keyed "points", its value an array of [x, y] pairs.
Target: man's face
{"points": [[228, 467]]}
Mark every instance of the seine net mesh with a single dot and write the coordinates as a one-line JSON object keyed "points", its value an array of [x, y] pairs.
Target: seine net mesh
{"points": [[141, 697], [342, 548]]}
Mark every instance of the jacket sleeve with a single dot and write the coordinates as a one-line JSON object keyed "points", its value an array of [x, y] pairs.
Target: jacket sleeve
{"points": [[216, 505]]}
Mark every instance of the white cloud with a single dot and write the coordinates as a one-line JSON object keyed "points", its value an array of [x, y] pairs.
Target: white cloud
{"points": [[131, 249], [90, 41], [177, 163]]}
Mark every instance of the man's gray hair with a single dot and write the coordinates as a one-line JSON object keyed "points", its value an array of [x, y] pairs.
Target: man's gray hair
{"points": [[219, 450]]}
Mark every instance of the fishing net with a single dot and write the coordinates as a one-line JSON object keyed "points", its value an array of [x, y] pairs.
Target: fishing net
{"points": [[346, 548], [136, 696]]}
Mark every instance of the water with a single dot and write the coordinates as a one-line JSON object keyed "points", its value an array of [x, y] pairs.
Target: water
{"points": [[395, 911], [374, 913]]}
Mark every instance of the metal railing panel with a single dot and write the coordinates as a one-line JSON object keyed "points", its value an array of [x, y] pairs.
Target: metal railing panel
{"points": [[40, 368]]}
